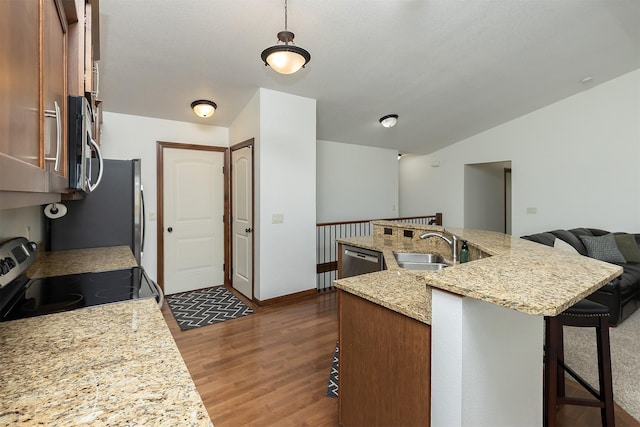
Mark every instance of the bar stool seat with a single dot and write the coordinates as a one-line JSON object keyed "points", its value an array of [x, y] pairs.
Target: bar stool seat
{"points": [[586, 314]]}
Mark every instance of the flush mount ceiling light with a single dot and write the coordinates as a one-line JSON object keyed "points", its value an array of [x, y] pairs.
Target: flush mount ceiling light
{"points": [[204, 108], [389, 120], [285, 58]]}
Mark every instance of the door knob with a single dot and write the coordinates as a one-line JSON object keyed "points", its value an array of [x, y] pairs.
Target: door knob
{"points": [[247, 230], [170, 229]]}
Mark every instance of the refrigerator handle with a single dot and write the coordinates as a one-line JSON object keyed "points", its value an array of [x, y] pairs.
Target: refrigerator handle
{"points": [[143, 222]]}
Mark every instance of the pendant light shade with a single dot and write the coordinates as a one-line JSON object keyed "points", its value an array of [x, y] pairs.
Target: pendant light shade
{"points": [[285, 58], [204, 108]]}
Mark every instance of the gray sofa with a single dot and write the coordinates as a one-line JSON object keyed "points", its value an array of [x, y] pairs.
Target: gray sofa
{"points": [[621, 295]]}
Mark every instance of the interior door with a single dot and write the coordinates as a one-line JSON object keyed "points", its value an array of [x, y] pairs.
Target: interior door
{"points": [[242, 224], [193, 213]]}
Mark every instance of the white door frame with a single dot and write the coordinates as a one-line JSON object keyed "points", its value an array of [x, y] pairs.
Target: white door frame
{"points": [[243, 144], [160, 146]]}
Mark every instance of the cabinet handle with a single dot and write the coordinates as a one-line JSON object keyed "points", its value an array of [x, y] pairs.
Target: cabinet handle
{"points": [[96, 71], [100, 162], [56, 113]]}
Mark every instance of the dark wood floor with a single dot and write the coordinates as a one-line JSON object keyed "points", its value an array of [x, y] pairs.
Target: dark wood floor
{"points": [[271, 368]]}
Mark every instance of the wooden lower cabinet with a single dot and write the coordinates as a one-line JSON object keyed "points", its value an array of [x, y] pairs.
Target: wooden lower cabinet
{"points": [[384, 366]]}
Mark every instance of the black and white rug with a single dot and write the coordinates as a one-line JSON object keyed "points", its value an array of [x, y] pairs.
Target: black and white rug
{"points": [[206, 307], [332, 387]]}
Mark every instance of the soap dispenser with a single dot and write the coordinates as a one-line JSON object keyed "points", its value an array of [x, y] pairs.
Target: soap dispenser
{"points": [[464, 252]]}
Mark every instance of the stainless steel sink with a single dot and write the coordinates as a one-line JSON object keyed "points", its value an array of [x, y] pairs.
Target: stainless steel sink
{"points": [[417, 261]]}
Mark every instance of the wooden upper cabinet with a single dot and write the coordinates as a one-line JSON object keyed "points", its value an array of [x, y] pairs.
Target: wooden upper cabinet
{"points": [[19, 76], [92, 49], [83, 17], [54, 93], [33, 80]]}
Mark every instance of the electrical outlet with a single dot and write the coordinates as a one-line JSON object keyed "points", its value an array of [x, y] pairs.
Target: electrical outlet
{"points": [[532, 210], [277, 218]]}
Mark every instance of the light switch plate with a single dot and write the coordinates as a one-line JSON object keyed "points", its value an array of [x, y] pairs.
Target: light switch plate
{"points": [[277, 218]]}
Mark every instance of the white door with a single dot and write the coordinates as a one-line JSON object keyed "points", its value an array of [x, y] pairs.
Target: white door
{"points": [[242, 224], [193, 219]]}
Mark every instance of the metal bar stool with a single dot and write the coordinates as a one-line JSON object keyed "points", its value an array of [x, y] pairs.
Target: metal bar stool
{"points": [[586, 314]]}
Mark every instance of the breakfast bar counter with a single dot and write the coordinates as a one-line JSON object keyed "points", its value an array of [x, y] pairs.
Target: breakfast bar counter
{"points": [[486, 336], [507, 271]]}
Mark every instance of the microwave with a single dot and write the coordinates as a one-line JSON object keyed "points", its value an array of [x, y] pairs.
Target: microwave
{"points": [[82, 147]]}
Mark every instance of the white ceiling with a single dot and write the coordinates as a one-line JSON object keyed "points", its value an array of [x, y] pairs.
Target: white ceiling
{"points": [[449, 68]]}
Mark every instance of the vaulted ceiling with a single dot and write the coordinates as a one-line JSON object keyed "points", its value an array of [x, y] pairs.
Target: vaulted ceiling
{"points": [[449, 68]]}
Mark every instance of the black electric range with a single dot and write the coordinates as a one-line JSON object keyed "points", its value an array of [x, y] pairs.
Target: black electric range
{"points": [[22, 297]]}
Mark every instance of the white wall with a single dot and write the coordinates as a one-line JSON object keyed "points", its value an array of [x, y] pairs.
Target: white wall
{"points": [[129, 137], [356, 182], [287, 176], [22, 222], [484, 196], [575, 161]]}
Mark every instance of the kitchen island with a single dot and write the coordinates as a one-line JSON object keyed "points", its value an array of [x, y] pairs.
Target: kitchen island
{"points": [[112, 364], [485, 317]]}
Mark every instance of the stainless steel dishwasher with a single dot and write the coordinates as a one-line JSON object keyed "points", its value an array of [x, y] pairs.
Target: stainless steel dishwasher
{"points": [[357, 261]]}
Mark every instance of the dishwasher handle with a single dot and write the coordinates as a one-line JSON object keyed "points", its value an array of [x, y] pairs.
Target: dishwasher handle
{"points": [[361, 256]]}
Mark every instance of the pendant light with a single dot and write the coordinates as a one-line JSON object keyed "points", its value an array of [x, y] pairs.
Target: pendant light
{"points": [[285, 58], [204, 108]]}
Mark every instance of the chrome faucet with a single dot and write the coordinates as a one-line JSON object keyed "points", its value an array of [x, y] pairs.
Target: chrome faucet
{"points": [[453, 243]]}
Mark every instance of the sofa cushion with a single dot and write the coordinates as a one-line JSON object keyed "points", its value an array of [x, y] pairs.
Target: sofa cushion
{"points": [[603, 248], [628, 247], [564, 246], [581, 231], [598, 232], [571, 239], [543, 238]]}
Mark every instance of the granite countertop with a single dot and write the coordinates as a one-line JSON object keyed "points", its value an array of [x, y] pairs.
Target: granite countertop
{"points": [[398, 290], [73, 261], [113, 364], [513, 273]]}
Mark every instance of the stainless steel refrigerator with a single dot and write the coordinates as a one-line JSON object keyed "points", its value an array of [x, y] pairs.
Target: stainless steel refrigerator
{"points": [[111, 215]]}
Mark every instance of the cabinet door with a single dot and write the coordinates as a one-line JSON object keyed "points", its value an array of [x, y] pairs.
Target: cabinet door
{"points": [[54, 91], [92, 48], [19, 68]]}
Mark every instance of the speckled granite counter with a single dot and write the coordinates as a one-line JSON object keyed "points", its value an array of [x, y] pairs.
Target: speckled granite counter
{"points": [[512, 272], [59, 263], [399, 291], [114, 364]]}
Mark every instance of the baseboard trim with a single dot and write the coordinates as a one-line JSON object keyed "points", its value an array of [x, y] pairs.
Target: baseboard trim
{"points": [[286, 298]]}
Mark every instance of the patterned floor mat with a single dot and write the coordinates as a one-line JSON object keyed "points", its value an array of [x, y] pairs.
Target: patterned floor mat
{"points": [[332, 388], [206, 307]]}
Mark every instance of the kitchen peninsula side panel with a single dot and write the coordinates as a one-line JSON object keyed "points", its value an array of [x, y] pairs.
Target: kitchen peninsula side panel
{"points": [[384, 367]]}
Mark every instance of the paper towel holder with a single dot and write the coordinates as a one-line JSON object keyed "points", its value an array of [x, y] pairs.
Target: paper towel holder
{"points": [[55, 210]]}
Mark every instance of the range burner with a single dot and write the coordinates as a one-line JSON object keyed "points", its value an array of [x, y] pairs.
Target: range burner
{"points": [[63, 293], [23, 297], [61, 303]]}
